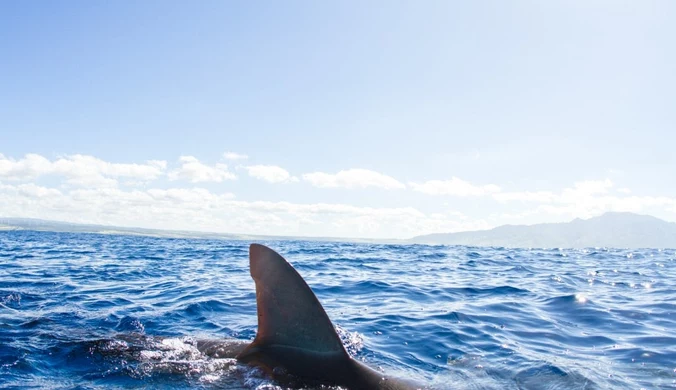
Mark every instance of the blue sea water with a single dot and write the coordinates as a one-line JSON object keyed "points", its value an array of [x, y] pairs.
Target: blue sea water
{"points": [[93, 311]]}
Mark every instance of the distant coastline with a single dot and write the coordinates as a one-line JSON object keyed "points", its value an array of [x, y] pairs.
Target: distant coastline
{"points": [[614, 230], [68, 227]]}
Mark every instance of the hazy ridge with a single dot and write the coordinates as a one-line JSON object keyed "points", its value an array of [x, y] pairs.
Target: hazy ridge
{"points": [[613, 230]]}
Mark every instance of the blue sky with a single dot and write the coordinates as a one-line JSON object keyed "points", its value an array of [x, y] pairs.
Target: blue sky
{"points": [[361, 119]]}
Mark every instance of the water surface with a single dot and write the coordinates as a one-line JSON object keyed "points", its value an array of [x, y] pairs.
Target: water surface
{"points": [[102, 311]]}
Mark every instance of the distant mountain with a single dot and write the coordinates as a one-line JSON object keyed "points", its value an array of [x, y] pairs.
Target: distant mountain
{"points": [[614, 230]]}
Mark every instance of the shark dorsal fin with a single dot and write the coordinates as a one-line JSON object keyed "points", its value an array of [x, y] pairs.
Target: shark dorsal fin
{"points": [[289, 313]]}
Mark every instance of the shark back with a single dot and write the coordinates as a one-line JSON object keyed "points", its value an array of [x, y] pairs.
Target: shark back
{"points": [[296, 340], [289, 313]]}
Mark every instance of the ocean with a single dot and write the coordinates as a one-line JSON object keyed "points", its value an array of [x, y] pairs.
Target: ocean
{"points": [[91, 311]]}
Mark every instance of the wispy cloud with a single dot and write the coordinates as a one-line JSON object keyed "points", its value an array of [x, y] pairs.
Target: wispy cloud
{"points": [[580, 191], [454, 187], [234, 156], [194, 171], [81, 170], [584, 199], [353, 178], [588, 188], [525, 196], [187, 196], [270, 173]]}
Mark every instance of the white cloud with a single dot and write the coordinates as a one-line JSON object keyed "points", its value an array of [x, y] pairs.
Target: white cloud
{"points": [[455, 187], [352, 178], [86, 171], [81, 170], [201, 210], [270, 173], [194, 171], [29, 167], [92, 196], [234, 156]]}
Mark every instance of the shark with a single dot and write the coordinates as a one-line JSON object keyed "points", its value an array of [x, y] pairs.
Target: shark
{"points": [[296, 343]]}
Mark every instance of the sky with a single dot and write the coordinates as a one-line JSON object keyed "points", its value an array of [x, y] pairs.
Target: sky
{"points": [[372, 119]]}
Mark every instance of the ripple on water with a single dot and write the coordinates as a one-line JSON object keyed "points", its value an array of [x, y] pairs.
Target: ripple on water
{"points": [[102, 311]]}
